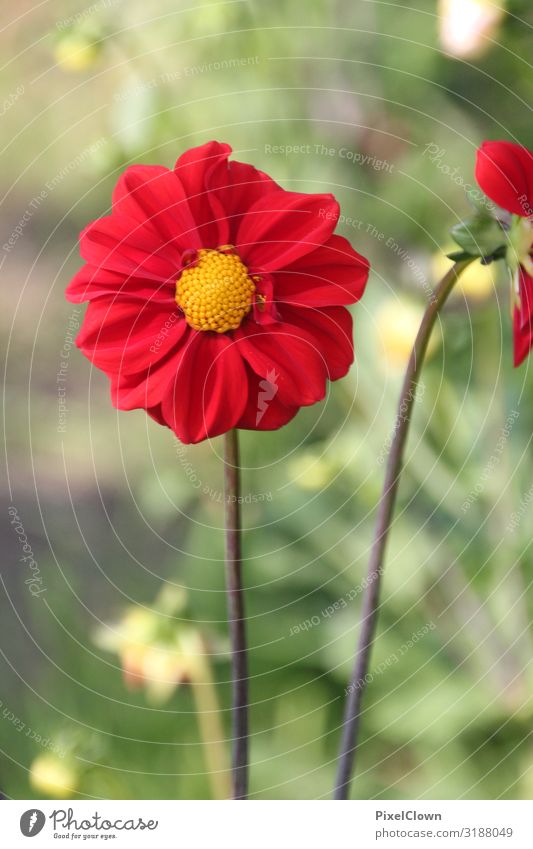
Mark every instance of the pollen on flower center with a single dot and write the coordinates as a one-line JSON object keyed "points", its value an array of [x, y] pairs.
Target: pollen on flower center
{"points": [[215, 292]]}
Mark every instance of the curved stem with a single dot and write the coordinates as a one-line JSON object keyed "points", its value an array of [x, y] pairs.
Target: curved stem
{"points": [[352, 715], [239, 663]]}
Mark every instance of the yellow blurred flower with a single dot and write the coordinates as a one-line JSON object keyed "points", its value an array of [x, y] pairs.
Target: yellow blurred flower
{"points": [[397, 323], [53, 777], [76, 53], [157, 669], [310, 471], [477, 282], [158, 652], [466, 27], [152, 650]]}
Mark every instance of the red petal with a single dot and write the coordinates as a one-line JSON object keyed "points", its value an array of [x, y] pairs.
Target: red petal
{"points": [[200, 169], [146, 390], [330, 330], [290, 360], [523, 320], [90, 282], [504, 171], [333, 274], [122, 336], [118, 243], [156, 414], [283, 226], [151, 194], [238, 187], [264, 409], [208, 394]]}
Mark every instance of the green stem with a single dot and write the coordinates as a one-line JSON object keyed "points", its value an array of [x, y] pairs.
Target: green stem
{"points": [[352, 716], [239, 662], [207, 713]]}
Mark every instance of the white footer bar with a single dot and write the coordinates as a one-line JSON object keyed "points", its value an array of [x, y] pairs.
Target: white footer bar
{"points": [[267, 824]]}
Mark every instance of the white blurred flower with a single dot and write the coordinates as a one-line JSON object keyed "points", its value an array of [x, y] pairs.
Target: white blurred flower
{"points": [[466, 26]]}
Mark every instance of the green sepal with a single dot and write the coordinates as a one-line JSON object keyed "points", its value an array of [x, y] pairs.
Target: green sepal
{"points": [[459, 256], [480, 235]]}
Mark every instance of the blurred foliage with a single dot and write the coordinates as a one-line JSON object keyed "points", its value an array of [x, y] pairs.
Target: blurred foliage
{"points": [[113, 507]]}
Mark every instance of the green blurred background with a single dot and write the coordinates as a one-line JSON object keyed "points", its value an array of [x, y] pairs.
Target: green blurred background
{"points": [[114, 678]]}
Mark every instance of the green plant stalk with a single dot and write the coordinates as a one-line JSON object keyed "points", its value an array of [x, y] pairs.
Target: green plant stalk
{"points": [[352, 715], [236, 616], [207, 713], [212, 734]]}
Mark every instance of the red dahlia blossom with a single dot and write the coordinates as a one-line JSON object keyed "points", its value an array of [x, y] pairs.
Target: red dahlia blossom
{"points": [[504, 172], [217, 298]]}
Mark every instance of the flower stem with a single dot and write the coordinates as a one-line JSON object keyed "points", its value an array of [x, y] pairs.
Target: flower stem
{"points": [[239, 662], [207, 713], [352, 715]]}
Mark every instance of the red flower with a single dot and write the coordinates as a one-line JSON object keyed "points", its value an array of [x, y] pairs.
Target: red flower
{"points": [[217, 298], [504, 171]]}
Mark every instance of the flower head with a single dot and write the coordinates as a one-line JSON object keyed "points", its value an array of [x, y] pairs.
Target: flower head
{"points": [[504, 171], [206, 280]]}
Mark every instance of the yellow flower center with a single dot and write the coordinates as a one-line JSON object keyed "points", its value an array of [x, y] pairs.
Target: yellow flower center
{"points": [[215, 293]]}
